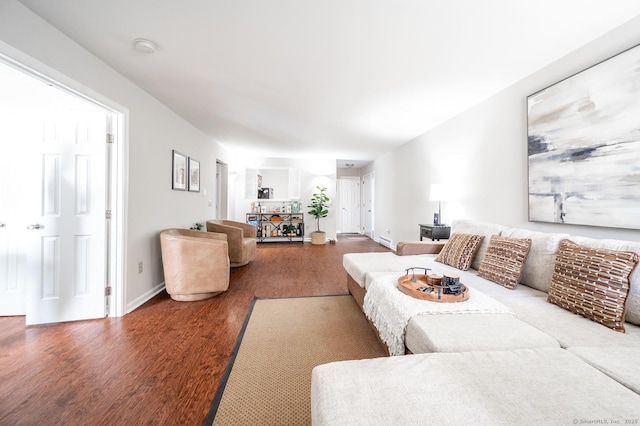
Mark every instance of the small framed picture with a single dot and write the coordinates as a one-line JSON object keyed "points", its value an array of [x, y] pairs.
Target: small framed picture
{"points": [[179, 174], [194, 175]]}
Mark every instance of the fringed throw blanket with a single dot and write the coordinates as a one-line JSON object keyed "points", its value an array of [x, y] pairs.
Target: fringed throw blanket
{"points": [[390, 309]]}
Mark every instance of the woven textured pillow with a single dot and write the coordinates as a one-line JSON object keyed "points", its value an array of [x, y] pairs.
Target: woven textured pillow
{"points": [[459, 250], [593, 283], [504, 260]]}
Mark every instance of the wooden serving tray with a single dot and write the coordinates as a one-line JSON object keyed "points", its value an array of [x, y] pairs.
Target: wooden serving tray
{"points": [[409, 288]]}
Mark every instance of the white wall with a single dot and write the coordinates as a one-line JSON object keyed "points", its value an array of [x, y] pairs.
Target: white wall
{"points": [[153, 131], [481, 155]]}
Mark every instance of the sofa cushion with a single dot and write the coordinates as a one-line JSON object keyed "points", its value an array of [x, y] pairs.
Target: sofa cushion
{"points": [[465, 226], [633, 298], [390, 310], [473, 332], [360, 265], [592, 282], [566, 327], [538, 268], [504, 260], [460, 250], [541, 386], [620, 363]]}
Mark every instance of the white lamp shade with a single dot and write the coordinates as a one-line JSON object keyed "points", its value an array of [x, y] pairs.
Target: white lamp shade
{"points": [[436, 192]]}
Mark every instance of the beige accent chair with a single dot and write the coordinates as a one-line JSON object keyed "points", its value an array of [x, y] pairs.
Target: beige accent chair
{"points": [[241, 238], [196, 264]]}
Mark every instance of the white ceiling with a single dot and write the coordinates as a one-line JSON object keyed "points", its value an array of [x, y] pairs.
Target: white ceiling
{"points": [[348, 79]]}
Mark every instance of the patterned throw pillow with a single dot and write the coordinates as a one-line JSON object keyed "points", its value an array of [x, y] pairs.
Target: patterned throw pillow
{"points": [[459, 250], [593, 283], [503, 262]]}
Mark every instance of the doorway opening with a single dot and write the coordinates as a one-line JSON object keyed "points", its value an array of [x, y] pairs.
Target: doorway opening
{"points": [[61, 202], [222, 190]]}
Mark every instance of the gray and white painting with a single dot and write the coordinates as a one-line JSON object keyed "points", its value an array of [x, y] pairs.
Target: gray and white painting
{"points": [[584, 147]]}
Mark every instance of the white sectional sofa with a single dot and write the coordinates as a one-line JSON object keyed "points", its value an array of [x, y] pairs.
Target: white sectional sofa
{"points": [[518, 359]]}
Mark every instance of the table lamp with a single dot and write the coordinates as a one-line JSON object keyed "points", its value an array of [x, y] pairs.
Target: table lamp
{"points": [[435, 194]]}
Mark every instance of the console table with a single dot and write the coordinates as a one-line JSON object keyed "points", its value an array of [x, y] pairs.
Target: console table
{"points": [[435, 232], [278, 227]]}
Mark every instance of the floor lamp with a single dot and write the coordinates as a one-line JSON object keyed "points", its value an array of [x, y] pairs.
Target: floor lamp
{"points": [[435, 194]]}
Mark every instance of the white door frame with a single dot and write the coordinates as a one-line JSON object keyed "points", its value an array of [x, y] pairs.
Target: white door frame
{"points": [[116, 250]]}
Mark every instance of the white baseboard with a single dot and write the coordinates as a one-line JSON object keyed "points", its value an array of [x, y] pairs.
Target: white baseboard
{"points": [[139, 301]]}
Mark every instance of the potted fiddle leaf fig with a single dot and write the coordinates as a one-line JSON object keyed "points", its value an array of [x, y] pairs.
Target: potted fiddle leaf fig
{"points": [[319, 208]]}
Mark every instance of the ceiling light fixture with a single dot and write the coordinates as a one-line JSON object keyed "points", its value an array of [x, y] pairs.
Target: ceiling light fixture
{"points": [[349, 165], [145, 46]]}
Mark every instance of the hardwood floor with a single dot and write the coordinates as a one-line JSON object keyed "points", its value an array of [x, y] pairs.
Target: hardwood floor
{"points": [[160, 364]]}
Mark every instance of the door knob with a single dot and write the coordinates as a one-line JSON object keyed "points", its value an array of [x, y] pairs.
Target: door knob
{"points": [[35, 226], [2, 225]]}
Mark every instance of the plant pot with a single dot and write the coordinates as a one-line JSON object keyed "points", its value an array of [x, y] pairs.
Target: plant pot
{"points": [[318, 238]]}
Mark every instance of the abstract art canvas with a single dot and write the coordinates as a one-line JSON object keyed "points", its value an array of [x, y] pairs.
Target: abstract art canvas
{"points": [[584, 146]]}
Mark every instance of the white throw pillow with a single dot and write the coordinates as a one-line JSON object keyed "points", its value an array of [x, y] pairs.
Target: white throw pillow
{"points": [[538, 269]]}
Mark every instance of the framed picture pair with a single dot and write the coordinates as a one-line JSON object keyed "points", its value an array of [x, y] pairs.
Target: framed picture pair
{"points": [[186, 173]]}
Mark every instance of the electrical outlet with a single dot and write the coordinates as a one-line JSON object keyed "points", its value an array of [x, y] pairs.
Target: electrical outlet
{"points": [[139, 267]]}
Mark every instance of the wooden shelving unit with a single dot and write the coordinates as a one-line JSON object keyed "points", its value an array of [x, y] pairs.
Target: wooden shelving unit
{"points": [[278, 227]]}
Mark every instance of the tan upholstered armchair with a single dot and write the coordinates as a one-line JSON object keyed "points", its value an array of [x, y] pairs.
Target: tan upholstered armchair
{"points": [[241, 238], [196, 263]]}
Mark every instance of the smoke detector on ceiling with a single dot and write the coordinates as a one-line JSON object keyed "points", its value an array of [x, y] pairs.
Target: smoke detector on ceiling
{"points": [[145, 46]]}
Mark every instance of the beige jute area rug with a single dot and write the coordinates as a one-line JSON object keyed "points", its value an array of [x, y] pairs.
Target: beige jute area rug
{"points": [[269, 382]]}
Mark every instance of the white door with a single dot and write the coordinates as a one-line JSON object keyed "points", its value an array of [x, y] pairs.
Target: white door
{"points": [[53, 206], [368, 204], [67, 263], [350, 205], [16, 197], [12, 290]]}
